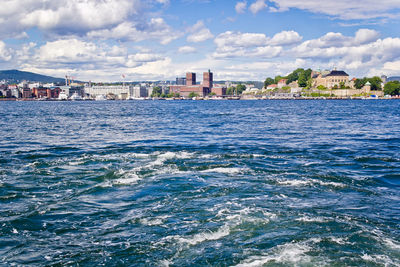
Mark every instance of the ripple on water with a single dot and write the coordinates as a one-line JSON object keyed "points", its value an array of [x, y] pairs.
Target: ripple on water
{"points": [[288, 183]]}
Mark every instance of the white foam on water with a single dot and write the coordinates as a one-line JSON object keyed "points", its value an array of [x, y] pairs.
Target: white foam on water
{"points": [[165, 263], [382, 238], [153, 221], [15, 231], [287, 253], [391, 243], [309, 182], [334, 184], [339, 240], [312, 219], [128, 177], [207, 156], [32, 164], [224, 170], [161, 158], [294, 182], [205, 236], [383, 260], [47, 257], [252, 215], [75, 163], [137, 155]]}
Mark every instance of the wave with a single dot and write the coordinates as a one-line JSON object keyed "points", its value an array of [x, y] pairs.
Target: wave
{"points": [[286, 254], [128, 177], [312, 219], [310, 182], [205, 236], [224, 170]]}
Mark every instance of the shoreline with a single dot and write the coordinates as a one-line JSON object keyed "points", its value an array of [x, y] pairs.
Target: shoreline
{"points": [[205, 99]]}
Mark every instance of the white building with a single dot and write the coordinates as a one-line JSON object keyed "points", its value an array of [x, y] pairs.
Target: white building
{"points": [[34, 85], [138, 91], [120, 91]]}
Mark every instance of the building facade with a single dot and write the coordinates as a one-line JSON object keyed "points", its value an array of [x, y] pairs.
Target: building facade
{"points": [[117, 91], [332, 79], [202, 90]]}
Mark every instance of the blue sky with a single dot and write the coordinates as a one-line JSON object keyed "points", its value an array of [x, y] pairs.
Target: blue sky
{"points": [[99, 40]]}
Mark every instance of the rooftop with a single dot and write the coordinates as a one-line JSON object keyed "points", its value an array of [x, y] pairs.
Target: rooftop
{"points": [[337, 73]]}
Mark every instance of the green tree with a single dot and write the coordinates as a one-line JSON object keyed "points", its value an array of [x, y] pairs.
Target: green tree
{"points": [[212, 94], [268, 81], [309, 83], [230, 90], [193, 94], [240, 88], [302, 81], [321, 87], [342, 85], [375, 83], [156, 92], [278, 78], [392, 88], [359, 83], [294, 76]]}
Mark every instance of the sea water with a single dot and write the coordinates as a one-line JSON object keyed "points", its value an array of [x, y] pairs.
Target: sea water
{"points": [[200, 183]]}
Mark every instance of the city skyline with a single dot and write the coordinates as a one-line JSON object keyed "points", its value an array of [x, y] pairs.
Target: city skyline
{"points": [[161, 39]]}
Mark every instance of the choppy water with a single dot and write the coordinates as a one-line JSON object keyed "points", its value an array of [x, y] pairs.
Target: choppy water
{"points": [[223, 183]]}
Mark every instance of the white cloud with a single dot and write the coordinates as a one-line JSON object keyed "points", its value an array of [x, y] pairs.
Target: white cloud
{"points": [[364, 36], [199, 33], [125, 20], [155, 29], [87, 59], [343, 9], [74, 16], [361, 54], [186, 49], [286, 38], [257, 6], [5, 53], [241, 7], [238, 39], [236, 44]]}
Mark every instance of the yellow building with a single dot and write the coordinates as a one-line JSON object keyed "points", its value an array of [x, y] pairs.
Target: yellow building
{"points": [[331, 79]]}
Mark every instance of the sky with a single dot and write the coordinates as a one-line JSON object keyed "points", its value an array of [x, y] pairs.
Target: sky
{"points": [[104, 40]]}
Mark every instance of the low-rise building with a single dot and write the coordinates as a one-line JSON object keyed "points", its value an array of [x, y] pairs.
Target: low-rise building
{"points": [[119, 91], [282, 83]]}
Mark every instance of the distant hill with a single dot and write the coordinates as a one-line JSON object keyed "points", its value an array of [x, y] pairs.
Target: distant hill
{"points": [[19, 76], [395, 78]]}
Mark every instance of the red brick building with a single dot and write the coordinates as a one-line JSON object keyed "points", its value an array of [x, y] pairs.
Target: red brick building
{"points": [[42, 92], [202, 90]]}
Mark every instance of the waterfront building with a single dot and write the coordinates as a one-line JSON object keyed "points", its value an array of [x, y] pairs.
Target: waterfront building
{"points": [[138, 91], [218, 90], [203, 89], [190, 78], [114, 91], [332, 79], [40, 92], [26, 92]]}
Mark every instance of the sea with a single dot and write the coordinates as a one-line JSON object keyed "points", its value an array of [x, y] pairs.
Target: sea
{"points": [[200, 183]]}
